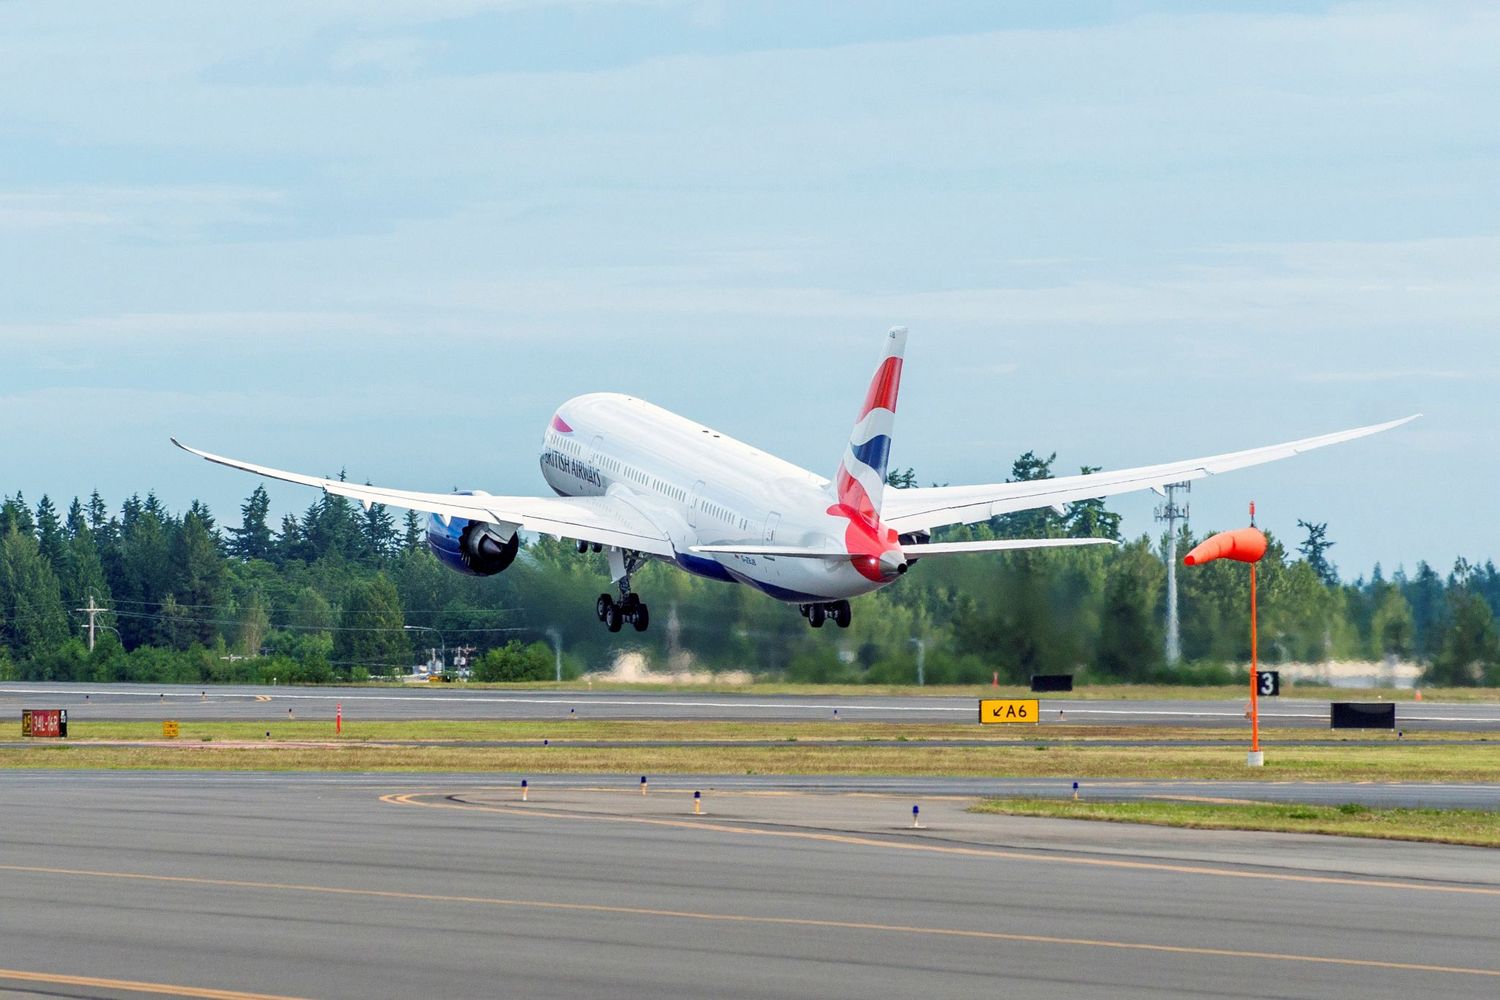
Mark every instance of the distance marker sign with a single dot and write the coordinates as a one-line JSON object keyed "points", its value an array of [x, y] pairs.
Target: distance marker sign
{"points": [[995, 711]]}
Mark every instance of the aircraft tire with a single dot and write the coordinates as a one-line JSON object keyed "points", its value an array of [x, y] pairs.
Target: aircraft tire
{"points": [[641, 619], [602, 606], [817, 615], [614, 619], [842, 614]]}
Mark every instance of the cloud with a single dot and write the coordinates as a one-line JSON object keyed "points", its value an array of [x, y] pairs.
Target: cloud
{"points": [[166, 212], [1402, 375]]}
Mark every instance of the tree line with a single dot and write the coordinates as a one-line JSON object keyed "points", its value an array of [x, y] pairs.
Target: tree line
{"points": [[339, 592]]}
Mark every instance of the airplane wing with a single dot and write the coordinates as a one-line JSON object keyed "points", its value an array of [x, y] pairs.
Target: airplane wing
{"points": [[608, 520], [923, 508]]}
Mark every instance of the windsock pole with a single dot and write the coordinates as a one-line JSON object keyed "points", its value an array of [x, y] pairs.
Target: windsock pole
{"points": [[1254, 671], [1255, 758]]}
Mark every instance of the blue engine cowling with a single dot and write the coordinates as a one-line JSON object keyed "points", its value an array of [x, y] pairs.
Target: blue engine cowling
{"points": [[477, 548]]}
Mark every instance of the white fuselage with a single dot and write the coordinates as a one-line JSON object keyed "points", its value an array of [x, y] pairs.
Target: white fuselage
{"points": [[704, 488]]}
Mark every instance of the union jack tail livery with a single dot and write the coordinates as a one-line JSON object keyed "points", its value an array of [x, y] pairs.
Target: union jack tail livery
{"points": [[860, 482]]}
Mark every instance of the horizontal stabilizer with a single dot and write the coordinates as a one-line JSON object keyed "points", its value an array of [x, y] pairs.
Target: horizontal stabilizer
{"points": [[773, 551], [910, 551], [998, 545]]}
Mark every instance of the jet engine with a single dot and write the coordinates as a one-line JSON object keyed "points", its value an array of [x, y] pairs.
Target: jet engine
{"points": [[477, 548]]}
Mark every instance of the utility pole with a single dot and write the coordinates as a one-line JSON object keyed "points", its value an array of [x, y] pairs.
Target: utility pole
{"points": [[93, 611], [1171, 513]]}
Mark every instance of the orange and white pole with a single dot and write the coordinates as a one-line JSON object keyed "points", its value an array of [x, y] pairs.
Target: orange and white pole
{"points": [[1256, 758]]}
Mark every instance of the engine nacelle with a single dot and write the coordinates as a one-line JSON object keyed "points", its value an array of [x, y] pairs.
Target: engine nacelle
{"points": [[478, 548]]}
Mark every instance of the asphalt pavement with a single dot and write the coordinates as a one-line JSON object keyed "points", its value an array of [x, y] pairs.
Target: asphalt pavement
{"points": [[127, 884]]}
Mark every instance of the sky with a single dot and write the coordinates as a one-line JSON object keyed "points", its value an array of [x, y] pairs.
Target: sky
{"points": [[391, 237]]}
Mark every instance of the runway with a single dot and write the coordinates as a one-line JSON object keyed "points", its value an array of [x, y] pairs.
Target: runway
{"points": [[373, 885], [137, 701]]}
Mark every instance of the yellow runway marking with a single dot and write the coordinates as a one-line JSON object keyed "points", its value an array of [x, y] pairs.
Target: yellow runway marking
{"points": [[727, 918], [413, 799], [132, 986], [262, 697]]}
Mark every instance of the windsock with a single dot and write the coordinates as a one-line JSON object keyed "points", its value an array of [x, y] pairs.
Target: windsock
{"points": [[1243, 545]]}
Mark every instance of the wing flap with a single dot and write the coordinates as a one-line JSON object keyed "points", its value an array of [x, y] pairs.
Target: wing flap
{"points": [[608, 520]]}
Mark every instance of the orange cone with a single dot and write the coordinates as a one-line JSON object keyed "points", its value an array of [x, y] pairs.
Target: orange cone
{"points": [[1418, 695]]}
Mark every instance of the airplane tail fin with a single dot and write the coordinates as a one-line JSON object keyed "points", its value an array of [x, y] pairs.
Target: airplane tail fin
{"points": [[860, 482]]}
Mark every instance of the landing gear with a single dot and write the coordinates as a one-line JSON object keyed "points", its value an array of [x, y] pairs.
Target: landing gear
{"points": [[837, 612], [629, 608]]}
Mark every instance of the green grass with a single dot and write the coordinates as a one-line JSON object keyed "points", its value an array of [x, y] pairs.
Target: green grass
{"points": [[813, 731], [1085, 692], [1405, 761], [1447, 826]]}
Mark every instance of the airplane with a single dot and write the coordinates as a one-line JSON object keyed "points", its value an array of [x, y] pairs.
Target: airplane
{"points": [[641, 483]]}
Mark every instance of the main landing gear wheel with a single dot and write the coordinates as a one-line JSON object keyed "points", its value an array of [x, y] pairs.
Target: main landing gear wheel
{"points": [[629, 608], [837, 612]]}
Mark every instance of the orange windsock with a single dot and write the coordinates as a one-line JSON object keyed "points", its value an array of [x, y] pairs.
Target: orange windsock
{"points": [[1244, 545]]}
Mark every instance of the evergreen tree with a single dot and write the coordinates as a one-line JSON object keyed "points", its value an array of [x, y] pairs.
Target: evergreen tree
{"points": [[140, 574], [1391, 628], [1424, 594], [1042, 523], [16, 516], [1315, 548], [290, 544], [378, 533], [252, 539], [32, 619], [1470, 651], [413, 535], [49, 530], [200, 579], [83, 572], [1091, 518], [77, 520], [901, 479]]}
